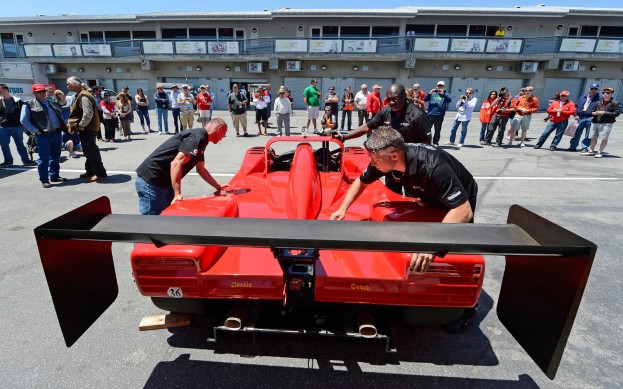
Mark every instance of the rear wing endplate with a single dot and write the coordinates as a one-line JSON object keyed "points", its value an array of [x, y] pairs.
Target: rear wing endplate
{"points": [[547, 266]]}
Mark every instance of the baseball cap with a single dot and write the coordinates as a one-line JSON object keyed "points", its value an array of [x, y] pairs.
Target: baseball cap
{"points": [[594, 86], [611, 90], [441, 83], [564, 93], [38, 88], [376, 86]]}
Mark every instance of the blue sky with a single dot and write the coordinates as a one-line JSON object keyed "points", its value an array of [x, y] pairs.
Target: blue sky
{"points": [[101, 7]]}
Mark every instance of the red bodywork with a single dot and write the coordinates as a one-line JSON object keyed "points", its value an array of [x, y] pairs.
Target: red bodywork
{"points": [[305, 191]]}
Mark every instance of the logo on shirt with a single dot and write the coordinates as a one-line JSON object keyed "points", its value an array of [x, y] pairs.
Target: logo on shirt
{"points": [[454, 195], [195, 152]]}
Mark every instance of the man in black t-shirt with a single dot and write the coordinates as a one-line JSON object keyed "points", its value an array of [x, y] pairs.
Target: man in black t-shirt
{"points": [[400, 114], [159, 177], [425, 171]]}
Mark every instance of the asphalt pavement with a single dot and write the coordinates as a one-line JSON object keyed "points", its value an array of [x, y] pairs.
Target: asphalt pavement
{"points": [[579, 193]]}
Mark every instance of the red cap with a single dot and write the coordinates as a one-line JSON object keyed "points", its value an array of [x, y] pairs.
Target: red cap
{"points": [[38, 88], [564, 93], [376, 86]]}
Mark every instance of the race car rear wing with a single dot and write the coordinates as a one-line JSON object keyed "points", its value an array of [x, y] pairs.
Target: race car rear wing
{"points": [[547, 266]]}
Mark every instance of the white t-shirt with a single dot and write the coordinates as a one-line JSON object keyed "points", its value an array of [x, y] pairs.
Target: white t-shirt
{"points": [[361, 99]]}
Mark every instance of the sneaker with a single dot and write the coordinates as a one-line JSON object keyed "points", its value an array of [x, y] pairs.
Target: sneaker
{"points": [[584, 150], [450, 144], [74, 155], [482, 142], [522, 145], [598, 155], [486, 143], [161, 133], [6, 164], [552, 148], [572, 149], [29, 162], [58, 179], [315, 131], [588, 153], [496, 145], [436, 144], [536, 147], [46, 185], [459, 145]]}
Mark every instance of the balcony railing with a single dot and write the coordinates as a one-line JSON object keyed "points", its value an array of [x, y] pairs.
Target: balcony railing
{"points": [[301, 47]]}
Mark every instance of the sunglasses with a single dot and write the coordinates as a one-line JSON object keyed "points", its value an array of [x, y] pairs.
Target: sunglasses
{"points": [[606, 93], [40, 91]]}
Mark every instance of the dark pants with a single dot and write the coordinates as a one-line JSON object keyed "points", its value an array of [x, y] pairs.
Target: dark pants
{"points": [[93, 165], [109, 128], [99, 130], [363, 115], [176, 119], [143, 114], [583, 126], [437, 120], [497, 123], [347, 115]]}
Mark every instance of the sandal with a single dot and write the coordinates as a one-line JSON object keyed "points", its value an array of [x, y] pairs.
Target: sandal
{"points": [[245, 134]]}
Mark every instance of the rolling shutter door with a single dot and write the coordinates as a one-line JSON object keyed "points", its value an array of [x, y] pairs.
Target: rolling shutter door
{"points": [[574, 86], [428, 83], [297, 85], [384, 82], [496, 84]]}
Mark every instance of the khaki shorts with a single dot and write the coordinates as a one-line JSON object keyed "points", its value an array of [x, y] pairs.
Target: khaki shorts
{"points": [[522, 122], [312, 112], [239, 120], [601, 130], [204, 113], [187, 120]]}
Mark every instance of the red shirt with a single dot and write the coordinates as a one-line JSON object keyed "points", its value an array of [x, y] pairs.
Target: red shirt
{"points": [[373, 104], [568, 109], [204, 101]]}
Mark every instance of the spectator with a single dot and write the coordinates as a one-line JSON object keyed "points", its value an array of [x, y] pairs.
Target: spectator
{"points": [[11, 127], [604, 113], [486, 113], [208, 91], [124, 111], [373, 103], [186, 102], [328, 121], [465, 107], [268, 90], [560, 112], [162, 109], [584, 115], [332, 100], [555, 97], [500, 32], [347, 109], [159, 177], [83, 118], [501, 112], [98, 91], [142, 109], [43, 118], [438, 101], [49, 94], [63, 102], [237, 107], [71, 143], [311, 96], [175, 107], [109, 110], [283, 109], [418, 96], [261, 101], [524, 107], [204, 103], [361, 99]]}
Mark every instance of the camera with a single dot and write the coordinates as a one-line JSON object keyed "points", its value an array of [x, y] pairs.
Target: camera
{"points": [[502, 94]]}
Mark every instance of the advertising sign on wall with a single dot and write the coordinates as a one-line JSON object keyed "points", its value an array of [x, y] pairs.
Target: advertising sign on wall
{"points": [[67, 50], [609, 46], [223, 47], [431, 44], [359, 46], [38, 50], [325, 46], [158, 47], [291, 45], [91, 50], [504, 46], [577, 45], [190, 47], [468, 45]]}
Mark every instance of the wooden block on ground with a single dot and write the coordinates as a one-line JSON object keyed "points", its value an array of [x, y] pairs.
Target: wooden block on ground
{"points": [[164, 321]]}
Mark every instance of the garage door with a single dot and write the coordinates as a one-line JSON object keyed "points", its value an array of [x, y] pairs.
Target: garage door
{"points": [[133, 84], [498, 83], [428, 83], [297, 85], [574, 86]]}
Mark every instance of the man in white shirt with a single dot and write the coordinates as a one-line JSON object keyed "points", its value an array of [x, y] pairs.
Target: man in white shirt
{"points": [[465, 105], [261, 100], [283, 109], [361, 98], [175, 107]]}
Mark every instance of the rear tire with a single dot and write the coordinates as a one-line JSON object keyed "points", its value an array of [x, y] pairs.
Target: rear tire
{"points": [[185, 305]]}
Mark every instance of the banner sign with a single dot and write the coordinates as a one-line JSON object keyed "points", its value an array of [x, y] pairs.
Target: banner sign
{"points": [[158, 47], [38, 50], [190, 47], [92, 50], [504, 46], [359, 46], [577, 45], [325, 46], [468, 45], [431, 44], [291, 45], [223, 48], [67, 50]]}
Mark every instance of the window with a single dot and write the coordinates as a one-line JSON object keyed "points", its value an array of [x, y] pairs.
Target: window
{"points": [[8, 45], [589, 30], [315, 32], [355, 32], [384, 31], [451, 29], [144, 34], [112, 36], [202, 33], [84, 37], [174, 33], [226, 33], [611, 31], [422, 29], [329, 31], [482, 30], [96, 36]]}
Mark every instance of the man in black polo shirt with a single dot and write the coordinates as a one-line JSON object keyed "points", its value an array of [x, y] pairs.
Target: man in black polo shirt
{"points": [[159, 177], [425, 171], [400, 114]]}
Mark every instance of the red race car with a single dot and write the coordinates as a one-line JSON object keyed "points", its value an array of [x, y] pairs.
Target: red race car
{"points": [[267, 243]]}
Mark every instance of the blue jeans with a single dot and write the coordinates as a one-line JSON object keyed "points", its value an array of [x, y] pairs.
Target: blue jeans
{"points": [[349, 116], [163, 114], [176, 118], [583, 125], [48, 164], [143, 114], [455, 126], [152, 200], [551, 126], [17, 133], [483, 130]]}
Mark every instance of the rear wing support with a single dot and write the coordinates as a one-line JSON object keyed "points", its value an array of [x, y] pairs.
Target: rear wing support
{"points": [[547, 267]]}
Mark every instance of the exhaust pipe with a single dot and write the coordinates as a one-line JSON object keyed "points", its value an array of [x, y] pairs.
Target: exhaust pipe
{"points": [[236, 318], [366, 325]]}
